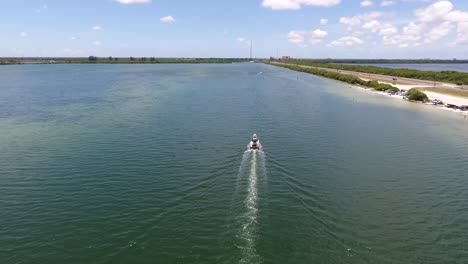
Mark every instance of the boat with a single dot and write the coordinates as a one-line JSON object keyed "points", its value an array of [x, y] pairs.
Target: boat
{"points": [[254, 143]]}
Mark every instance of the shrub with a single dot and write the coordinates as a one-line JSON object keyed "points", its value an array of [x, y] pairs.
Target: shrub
{"points": [[416, 95]]}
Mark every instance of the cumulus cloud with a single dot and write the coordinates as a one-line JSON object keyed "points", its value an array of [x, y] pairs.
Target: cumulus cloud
{"points": [[346, 41], [434, 12], [97, 43], [297, 4], [167, 19], [440, 31], [297, 37], [301, 37], [359, 19], [383, 29], [366, 3], [97, 28], [410, 35], [317, 36], [323, 21], [128, 2], [387, 3], [23, 34]]}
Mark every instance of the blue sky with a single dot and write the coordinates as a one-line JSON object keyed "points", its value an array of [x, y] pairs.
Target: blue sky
{"points": [[216, 28]]}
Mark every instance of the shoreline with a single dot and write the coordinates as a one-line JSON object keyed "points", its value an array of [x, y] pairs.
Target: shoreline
{"points": [[399, 97], [446, 98]]}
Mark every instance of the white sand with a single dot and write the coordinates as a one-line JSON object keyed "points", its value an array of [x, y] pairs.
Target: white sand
{"points": [[448, 99]]}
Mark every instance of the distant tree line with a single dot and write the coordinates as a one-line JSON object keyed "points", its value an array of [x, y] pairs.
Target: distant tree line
{"points": [[383, 61], [459, 78], [110, 59]]}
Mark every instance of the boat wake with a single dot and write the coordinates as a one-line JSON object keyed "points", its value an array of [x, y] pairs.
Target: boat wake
{"points": [[248, 218]]}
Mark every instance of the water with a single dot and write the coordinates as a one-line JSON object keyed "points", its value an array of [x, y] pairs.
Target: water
{"points": [[459, 67], [147, 164]]}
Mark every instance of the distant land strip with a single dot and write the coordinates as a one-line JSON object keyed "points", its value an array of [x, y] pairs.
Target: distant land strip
{"points": [[458, 78], [115, 60]]}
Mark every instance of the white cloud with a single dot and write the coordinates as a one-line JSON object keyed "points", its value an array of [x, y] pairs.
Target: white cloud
{"points": [[367, 3], [387, 30], [440, 31], [97, 28], [411, 34], [457, 16], [73, 38], [300, 37], [128, 2], [167, 19], [297, 4], [355, 21], [23, 34], [434, 12], [241, 39], [323, 21], [387, 3], [297, 37], [373, 25], [97, 43], [347, 41], [384, 29], [317, 36], [462, 34]]}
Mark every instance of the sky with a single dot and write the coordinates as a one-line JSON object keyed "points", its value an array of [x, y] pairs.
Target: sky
{"points": [[225, 28]]}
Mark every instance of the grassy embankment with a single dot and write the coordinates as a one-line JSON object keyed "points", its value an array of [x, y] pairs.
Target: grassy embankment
{"points": [[341, 77], [459, 78]]}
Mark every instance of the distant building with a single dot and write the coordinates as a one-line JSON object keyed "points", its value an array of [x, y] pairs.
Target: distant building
{"points": [[285, 58]]}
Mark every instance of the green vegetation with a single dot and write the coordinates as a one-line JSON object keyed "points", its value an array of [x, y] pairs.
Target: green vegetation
{"points": [[134, 60], [382, 61], [416, 95], [116, 60], [341, 77], [9, 62], [459, 78]]}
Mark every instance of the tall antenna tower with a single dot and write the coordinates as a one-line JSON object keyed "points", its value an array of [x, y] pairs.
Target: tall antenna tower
{"points": [[250, 49]]}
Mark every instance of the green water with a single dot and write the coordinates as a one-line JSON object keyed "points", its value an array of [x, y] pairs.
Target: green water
{"points": [[147, 164]]}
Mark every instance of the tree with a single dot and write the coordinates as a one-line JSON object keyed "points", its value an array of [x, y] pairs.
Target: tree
{"points": [[92, 58], [110, 58], [132, 59]]}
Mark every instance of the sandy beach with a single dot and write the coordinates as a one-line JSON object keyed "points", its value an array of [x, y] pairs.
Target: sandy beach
{"points": [[407, 83]]}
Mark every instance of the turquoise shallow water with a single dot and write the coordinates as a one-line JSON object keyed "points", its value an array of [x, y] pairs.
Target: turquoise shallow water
{"points": [[147, 164]]}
